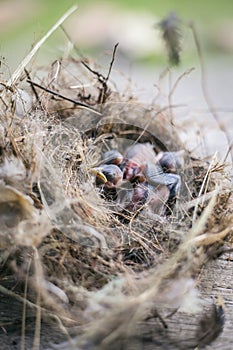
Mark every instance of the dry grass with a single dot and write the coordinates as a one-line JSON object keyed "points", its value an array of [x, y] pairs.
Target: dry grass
{"points": [[67, 258]]}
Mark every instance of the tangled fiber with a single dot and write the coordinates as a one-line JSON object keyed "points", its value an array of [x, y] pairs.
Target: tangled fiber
{"points": [[72, 274]]}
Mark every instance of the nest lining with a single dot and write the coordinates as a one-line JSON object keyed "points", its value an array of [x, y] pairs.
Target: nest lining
{"points": [[79, 260]]}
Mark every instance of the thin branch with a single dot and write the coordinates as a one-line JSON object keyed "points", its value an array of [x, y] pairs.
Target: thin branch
{"points": [[101, 78], [187, 72], [203, 187], [228, 152], [205, 90], [173, 88], [32, 87], [170, 97], [80, 104], [16, 75], [112, 61], [157, 113], [79, 52]]}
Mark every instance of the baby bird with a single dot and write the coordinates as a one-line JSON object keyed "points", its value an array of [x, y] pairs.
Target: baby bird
{"points": [[153, 178], [136, 158], [109, 175], [108, 178], [112, 157]]}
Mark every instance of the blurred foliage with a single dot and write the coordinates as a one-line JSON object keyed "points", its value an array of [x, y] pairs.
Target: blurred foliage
{"points": [[47, 12], [33, 18]]}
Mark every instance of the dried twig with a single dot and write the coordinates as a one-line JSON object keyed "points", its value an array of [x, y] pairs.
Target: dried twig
{"points": [[161, 110], [112, 61], [203, 186], [32, 86], [205, 89], [102, 80], [187, 72], [16, 75], [104, 93], [80, 104], [74, 46]]}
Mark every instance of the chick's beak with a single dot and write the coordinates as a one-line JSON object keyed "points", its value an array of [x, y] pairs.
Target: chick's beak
{"points": [[108, 174], [99, 175]]}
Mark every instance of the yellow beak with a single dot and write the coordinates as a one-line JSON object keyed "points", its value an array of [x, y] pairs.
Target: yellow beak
{"points": [[98, 173]]}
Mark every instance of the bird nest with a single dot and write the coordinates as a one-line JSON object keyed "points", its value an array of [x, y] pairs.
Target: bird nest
{"points": [[73, 272]]}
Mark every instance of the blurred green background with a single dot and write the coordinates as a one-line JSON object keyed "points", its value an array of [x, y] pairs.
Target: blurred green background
{"points": [[24, 22]]}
